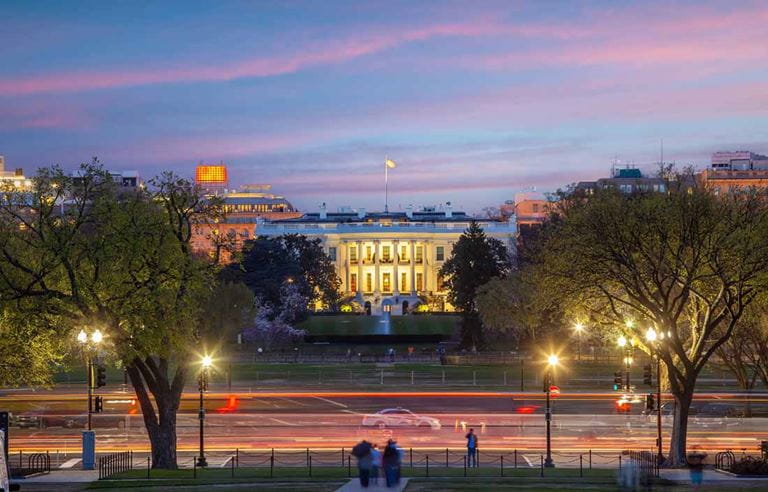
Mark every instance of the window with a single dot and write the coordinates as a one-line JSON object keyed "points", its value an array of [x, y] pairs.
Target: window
{"points": [[369, 282], [535, 208], [403, 282], [440, 283], [368, 253], [353, 254], [440, 253], [419, 281], [332, 253], [385, 253], [386, 280], [353, 282], [404, 252], [419, 254]]}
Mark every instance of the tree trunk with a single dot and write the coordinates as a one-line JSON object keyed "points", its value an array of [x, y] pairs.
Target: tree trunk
{"points": [[160, 418], [677, 443]]}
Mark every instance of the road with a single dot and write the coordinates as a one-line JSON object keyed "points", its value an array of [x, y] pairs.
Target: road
{"points": [[330, 420]]}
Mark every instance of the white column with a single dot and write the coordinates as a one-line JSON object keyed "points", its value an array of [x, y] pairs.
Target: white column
{"points": [[359, 245], [376, 287], [396, 260], [413, 267]]}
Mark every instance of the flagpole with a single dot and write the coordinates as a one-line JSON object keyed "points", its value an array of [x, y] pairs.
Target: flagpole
{"points": [[386, 186]]}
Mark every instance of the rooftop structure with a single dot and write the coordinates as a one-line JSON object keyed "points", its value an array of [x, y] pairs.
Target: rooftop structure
{"points": [[213, 179], [741, 160], [14, 178]]}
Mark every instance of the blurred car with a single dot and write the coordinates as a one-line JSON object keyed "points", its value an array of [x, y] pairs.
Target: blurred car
{"points": [[626, 401], [400, 417]]}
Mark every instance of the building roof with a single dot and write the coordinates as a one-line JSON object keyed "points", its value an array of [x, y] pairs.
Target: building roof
{"points": [[350, 217]]}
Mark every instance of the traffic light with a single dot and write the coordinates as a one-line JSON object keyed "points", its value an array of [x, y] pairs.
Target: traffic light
{"points": [[101, 376], [98, 404], [648, 374], [618, 380], [650, 402]]}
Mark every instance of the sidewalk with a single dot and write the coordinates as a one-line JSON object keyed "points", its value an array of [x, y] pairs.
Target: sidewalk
{"points": [[354, 486], [711, 477], [62, 476]]}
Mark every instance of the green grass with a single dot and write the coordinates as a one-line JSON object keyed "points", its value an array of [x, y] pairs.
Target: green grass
{"points": [[346, 325]]}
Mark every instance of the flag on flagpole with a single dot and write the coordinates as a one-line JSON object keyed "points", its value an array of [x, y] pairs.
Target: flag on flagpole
{"points": [[390, 164]]}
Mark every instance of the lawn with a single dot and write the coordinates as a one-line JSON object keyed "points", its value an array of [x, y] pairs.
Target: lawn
{"points": [[354, 325]]}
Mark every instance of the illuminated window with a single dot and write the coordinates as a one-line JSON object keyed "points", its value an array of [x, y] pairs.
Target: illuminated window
{"points": [[369, 282], [386, 281], [419, 281], [368, 253], [403, 252], [353, 254], [440, 253], [403, 282], [353, 282], [385, 253], [419, 254]]}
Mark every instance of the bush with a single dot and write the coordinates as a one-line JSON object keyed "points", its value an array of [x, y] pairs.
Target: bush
{"points": [[750, 466]]}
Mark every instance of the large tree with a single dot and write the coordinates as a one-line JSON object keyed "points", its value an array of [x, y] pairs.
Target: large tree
{"points": [[474, 261], [85, 253], [266, 264], [686, 263]]}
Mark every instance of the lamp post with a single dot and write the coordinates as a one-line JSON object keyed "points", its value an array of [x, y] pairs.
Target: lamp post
{"points": [[203, 385], [625, 345], [551, 363], [653, 339], [578, 328], [88, 343]]}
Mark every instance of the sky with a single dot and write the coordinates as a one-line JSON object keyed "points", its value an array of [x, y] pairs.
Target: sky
{"points": [[475, 100]]}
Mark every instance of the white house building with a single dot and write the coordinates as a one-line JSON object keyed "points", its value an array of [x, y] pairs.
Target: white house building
{"points": [[390, 261]]}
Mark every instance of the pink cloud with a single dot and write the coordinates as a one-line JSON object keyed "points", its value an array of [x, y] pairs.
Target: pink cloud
{"points": [[38, 115], [311, 56]]}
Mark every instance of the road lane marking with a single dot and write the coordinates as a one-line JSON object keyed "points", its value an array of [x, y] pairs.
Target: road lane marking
{"points": [[70, 463], [331, 402], [282, 422], [528, 461]]}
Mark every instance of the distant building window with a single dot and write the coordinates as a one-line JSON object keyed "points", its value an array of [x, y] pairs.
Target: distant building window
{"points": [[419, 281], [403, 282], [625, 188], [368, 253], [440, 253], [369, 282], [353, 253], [440, 283], [535, 208], [332, 253], [353, 282], [386, 281], [403, 252], [419, 254], [385, 253]]}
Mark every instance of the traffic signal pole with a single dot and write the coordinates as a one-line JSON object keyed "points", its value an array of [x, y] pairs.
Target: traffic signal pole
{"points": [[660, 456], [90, 391]]}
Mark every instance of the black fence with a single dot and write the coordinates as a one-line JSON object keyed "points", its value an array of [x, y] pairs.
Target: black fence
{"points": [[115, 463], [725, 460], [646, 463]]}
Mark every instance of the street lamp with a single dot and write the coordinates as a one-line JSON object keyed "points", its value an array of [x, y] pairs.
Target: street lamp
{"points": [[551, 363], [202, 383], [578, 328], [89, 344], [651, 337]]}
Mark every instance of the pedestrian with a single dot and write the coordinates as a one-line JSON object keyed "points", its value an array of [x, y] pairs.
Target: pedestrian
{"points": [[376, 464], [471, 448], [696, 465], [362, 451], [391, 460]]}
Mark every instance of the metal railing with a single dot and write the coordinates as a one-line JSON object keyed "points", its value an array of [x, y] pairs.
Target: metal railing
{"points": [[115, 463], [36, 463], [724, 460]]}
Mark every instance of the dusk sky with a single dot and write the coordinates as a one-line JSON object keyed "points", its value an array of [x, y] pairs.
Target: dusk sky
{"points": [[475, 100]]}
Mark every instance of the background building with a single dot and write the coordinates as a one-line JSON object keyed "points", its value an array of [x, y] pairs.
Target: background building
{"points": [[390, 261], [731, 170], [625, 180], [14, 178]]}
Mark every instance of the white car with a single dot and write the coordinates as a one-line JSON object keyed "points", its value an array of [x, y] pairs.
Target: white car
{"points": [[399, 417]]}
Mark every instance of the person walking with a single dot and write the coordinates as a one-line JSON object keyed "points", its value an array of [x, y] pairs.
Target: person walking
{"points": [[376, 459], [471, 448], [696, 465], [391, 461], [362, 452]]}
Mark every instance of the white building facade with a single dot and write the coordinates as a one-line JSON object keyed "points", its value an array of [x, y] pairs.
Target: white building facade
{"points": [[390, 261]]}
